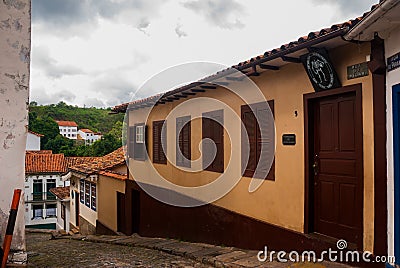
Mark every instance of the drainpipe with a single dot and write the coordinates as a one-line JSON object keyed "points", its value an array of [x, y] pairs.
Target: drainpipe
{"points": [[370, 19]]}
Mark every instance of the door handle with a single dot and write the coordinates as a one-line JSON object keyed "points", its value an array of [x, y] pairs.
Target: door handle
{"points": [[316, 165]]}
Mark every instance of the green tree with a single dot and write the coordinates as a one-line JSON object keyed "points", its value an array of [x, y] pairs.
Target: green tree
{"points": [[116, 130], [58, 143], [43, 125], [106, 145]]}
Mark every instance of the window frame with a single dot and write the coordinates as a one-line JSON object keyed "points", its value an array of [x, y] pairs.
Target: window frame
{"points": [[139, 137], [87, 193], [82, 191], [55, 211], [34, 216], [93, 196]]}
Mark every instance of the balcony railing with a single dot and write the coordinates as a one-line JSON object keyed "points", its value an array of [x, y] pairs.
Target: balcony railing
{"points": [[42, 196]]}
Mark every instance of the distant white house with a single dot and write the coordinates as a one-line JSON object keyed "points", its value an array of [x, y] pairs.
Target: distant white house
{"points": [[43, 172], [88, 136], [68, 129], [33, 141]]}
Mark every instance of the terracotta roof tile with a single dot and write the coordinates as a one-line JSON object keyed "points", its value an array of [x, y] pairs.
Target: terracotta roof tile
{"points": [[36, 134], [67, 123], [114, 174], [61, 192], [40, 152], [77, 160], [101, 163], [45, 163], [86, 130]]}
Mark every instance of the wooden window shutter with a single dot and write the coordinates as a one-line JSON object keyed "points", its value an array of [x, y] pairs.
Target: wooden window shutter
{"points": [[131, 141], [250, 125], [159, 137], [212, 128], [258, 144], [139, 149], [183, 142]]}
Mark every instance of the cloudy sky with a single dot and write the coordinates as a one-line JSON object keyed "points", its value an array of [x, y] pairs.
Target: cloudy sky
{"points": [[99, 52]]}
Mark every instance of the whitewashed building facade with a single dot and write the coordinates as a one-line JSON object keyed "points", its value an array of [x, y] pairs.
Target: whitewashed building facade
{"points": [[68, 129], [43, 172], [33, 141]]}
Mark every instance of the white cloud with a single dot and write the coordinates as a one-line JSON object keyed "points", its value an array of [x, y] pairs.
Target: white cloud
{"points": [[97, 52]]}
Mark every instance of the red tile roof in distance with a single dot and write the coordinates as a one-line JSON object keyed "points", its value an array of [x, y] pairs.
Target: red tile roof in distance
{"points": [[45, 164], [77, 160], [108, 161], [86, 130], [40, 152], [331, 32], [67, 123], [36, 134], [61, 192], [114, 174]]}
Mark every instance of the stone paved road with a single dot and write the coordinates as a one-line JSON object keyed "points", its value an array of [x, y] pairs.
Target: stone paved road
{"points": [[43, 252]]}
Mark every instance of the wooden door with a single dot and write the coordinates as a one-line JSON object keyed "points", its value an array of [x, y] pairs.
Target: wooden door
{"points": [[135, 211], [337, 168], [77, 209], [121, 212]]}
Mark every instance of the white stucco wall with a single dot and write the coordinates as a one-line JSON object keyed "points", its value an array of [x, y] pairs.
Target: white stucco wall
{"points": [[60, 221], [392, 46], [15, 43], [32, 142]]}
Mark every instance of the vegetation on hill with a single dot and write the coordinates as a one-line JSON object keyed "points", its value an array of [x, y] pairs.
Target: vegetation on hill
{"points": [[42, 120]]}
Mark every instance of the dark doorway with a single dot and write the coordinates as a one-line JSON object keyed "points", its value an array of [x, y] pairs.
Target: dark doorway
{"points": [[135, 211], [77, 209], [121, 212], [335, 164]]}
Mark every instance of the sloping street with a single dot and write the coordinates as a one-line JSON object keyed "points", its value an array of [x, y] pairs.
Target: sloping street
{"points": [[43, 252]]}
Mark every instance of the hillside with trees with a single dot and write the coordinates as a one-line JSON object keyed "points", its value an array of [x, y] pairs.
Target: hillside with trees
{"points": [[42, 119]]}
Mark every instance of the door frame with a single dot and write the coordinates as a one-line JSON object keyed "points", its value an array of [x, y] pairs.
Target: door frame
{"points": [[309, 101], [396, 167]]}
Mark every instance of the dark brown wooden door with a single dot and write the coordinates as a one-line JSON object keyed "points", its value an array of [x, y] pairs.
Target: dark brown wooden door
{"points": [[337, 168], [77, 209], [121, 212], [135, 211]]}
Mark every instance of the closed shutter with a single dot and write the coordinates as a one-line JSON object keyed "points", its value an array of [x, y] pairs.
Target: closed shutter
{"points": [[212, 129], [159, 138], [131, 141], [261, 147], [250, 125], [183, 143]]}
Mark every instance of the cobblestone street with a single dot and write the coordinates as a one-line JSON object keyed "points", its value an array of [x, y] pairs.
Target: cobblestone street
{"points": [[136, 251], [43, 252]]}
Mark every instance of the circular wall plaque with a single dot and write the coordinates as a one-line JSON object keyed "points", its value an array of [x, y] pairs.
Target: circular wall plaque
{"points": [[320, 70]]}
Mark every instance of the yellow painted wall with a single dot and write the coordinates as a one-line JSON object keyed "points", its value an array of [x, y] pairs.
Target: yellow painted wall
{"points": [[107, 189], [279, 202], [84, 211]]}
